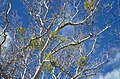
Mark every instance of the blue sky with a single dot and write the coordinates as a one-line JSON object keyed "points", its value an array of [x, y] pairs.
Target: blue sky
{"points": [[110, 71], [21, 10]]}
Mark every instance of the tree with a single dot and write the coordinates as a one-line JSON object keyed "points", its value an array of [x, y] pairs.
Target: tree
{"points": [[61, 40]]}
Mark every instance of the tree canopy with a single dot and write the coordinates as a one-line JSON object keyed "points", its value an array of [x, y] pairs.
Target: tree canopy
{"points": [[57, 39]]}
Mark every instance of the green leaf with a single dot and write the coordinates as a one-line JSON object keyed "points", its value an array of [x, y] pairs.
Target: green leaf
{"points": [[49, 67], [58, 36], [89, 5], [34, 43], [77, 47], [37, 43], [53, 34], [21, 30], [42, 43], [49, 56], [86, 5], [82, 61], [54, 63]]}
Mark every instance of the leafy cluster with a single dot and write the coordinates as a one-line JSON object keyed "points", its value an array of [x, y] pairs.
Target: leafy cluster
{"points": [[21, 30], [53, 34], [56, 35], [82, 61], [49, 67], [89, 5], [34, 43], [51, 64], [37, 43], [49, 56]]}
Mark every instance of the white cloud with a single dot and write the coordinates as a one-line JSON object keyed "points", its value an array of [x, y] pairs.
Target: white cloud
{"points": [[115, 58], [7, 42], [115, 74], [114, 61]]}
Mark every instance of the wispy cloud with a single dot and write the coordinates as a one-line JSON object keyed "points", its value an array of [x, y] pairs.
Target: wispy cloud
{"points": [[115, 74], [115, 58], [6, 44], [115, 63]]}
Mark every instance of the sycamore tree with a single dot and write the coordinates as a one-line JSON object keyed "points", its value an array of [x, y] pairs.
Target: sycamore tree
{"points": [[61, 41]]}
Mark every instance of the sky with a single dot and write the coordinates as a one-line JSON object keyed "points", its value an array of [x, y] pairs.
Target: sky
{"points": [[110, 71]]}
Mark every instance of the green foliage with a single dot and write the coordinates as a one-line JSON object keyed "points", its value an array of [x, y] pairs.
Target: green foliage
{"points": [[37, 43], [52, 62], [58, 36], [49, 56], [34, 43], [89, 5], [53, 34], [82, 61], [49, 67], [21, 30], [76, 47], [42, 43]]}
